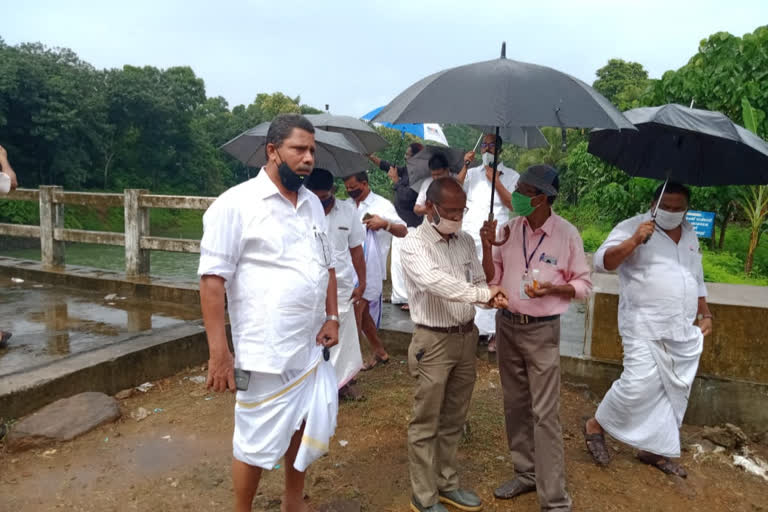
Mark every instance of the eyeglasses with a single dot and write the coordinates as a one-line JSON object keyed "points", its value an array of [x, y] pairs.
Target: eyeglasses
{"points": [[463, 212], [324, 248], [488, 145]]}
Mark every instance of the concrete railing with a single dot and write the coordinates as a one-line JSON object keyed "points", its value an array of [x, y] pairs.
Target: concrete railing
{"points": [[136, 239]]}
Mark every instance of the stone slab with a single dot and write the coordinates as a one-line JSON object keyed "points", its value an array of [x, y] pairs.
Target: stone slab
{"points": [[63, 420]]}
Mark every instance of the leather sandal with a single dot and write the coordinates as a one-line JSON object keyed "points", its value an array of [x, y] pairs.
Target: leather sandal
{"points": [[662, 464], [596, 446]]}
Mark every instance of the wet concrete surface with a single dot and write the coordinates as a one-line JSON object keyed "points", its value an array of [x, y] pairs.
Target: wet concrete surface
{"points": [[572, 326], [50, 322]]}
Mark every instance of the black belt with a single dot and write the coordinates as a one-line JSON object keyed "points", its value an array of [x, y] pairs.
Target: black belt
{"points": [[457, 329], [518, 318]]}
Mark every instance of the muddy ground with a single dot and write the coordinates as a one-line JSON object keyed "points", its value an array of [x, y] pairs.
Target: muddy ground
{"points": [[178, 459]]}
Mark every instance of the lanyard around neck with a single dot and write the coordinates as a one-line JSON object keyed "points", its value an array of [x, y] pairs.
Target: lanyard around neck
{"points": [[525, 249]]}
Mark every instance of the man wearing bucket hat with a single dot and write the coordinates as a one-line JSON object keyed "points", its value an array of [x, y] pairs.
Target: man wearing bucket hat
{"points": [[543, 267]]}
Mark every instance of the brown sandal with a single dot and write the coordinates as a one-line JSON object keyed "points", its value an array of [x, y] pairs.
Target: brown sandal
{"points": [[377, 361], [596, 446], [663, 464]]}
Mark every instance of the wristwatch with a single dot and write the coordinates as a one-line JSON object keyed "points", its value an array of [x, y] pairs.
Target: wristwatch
{"points": [[701, 317], [334, 318]]}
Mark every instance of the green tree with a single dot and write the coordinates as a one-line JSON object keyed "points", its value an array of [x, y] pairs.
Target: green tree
{"points": [[725, 70], [754, 199], [623, 83]]}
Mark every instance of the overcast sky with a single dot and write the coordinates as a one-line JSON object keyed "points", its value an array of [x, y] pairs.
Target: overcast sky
{"points": [[358, 55]]}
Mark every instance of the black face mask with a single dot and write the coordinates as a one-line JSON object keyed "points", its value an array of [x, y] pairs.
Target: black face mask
{"points": [[354, 194], [288, 178], [327, 202]]}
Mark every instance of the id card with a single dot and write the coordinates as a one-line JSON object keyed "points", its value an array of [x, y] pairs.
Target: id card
{"points": [[526, 280], [523, 295]]}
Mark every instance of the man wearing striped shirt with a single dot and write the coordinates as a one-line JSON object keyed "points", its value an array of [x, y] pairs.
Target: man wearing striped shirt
{"points": [[444, 279]]}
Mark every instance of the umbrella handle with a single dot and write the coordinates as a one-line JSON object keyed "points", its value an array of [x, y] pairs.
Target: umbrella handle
{"points": [[506, 237], [649, 236]]}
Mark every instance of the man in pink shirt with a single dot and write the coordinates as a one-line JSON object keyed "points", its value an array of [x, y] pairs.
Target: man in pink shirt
{"points": [[542, 266]]}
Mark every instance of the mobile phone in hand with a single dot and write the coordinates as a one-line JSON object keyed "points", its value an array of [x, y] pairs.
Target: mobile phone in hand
{"points": [[242, 379]]}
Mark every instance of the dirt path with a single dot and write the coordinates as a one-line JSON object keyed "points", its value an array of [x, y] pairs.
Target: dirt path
{"points": [[178, 459]]}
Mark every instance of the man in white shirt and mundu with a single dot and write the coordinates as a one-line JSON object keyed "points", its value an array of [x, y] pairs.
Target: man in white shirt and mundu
{"points": [[265, 247], [382, 223], [661, 297], [347, 235], [445, 280]]}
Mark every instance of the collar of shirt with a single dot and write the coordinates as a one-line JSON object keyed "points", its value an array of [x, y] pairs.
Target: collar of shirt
{"points": [[547, 227]]}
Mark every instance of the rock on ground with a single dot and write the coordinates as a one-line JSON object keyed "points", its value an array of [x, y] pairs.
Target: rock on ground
{"points": [[63, 420], [728, 436]]}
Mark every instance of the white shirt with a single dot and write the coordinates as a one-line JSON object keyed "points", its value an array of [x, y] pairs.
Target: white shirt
{"points": [[346, 232], [377, 205], [275, 260], [421, 200], [478, 189], [659, 284]]}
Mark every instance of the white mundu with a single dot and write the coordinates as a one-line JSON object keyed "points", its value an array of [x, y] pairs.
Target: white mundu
{"points": [[275, 260], [346, 232], [659, 289], [478, 189]]}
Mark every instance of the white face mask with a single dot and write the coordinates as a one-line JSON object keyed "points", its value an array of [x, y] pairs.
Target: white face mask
{"points": [[488, 159], [669, 220], [445, 226]]}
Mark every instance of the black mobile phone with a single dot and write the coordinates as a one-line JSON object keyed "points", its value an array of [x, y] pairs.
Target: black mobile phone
{"points": [[242, 379]]}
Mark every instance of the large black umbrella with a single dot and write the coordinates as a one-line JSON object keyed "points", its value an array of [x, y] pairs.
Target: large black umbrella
{"points": [[687, 145], [332, 150], [503, 93], [359, 133]]}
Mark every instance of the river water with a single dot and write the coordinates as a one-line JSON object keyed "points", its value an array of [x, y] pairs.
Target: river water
{"points": [[174, 265]]}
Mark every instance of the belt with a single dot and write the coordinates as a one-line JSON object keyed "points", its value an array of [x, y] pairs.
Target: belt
{"points": [[518, 318], [457, 329]]}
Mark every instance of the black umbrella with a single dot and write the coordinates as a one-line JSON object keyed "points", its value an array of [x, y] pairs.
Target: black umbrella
{"points": [[418, 164], [503, 93], [687, 145]]}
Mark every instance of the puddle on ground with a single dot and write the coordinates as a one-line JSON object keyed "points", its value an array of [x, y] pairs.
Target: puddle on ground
{"points": [[51, 322]]}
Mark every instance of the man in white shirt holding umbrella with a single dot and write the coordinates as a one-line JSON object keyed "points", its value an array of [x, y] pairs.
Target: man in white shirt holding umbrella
{"points": [[661, 298], [477, 183]]}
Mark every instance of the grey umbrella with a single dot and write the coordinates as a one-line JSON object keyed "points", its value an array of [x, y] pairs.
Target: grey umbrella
{"points": [[503, 93], [359, 133], [333, 151]]}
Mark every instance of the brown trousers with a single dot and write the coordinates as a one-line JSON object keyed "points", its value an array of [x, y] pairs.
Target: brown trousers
{"points": [[529, 364], [444, 366]]}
